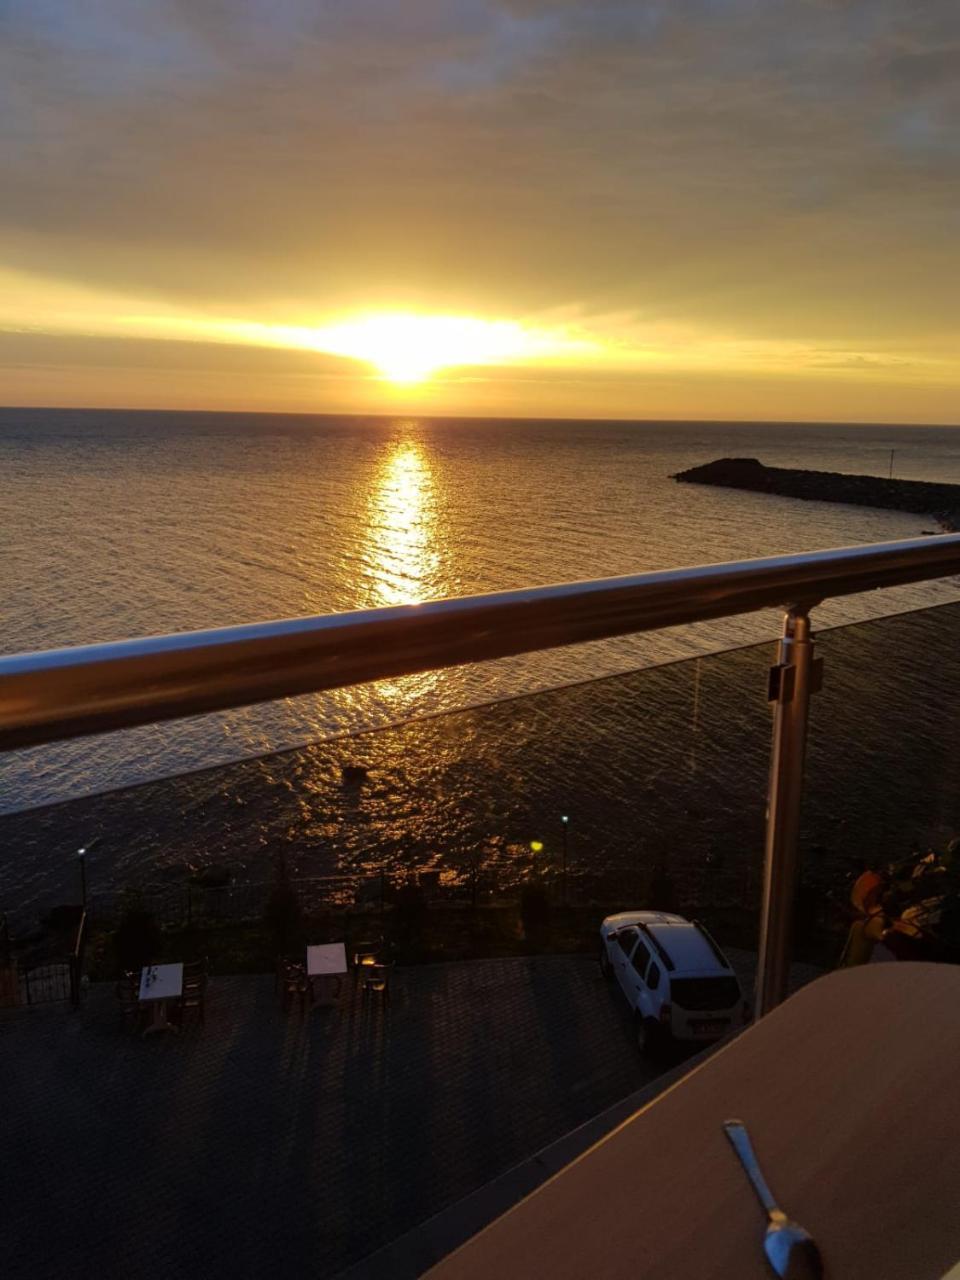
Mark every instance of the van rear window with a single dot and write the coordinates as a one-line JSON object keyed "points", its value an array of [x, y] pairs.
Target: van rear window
{"points": [[704, 993]]}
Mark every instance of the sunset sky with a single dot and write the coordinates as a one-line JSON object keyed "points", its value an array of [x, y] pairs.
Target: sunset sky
{"points": [[692, 208]]}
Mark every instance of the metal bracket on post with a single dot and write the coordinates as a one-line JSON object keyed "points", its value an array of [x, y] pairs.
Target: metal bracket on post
{"points": [[793, 679]]}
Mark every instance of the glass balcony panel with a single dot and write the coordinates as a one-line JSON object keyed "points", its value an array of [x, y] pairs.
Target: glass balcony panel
{"points": [[660, 773], [882, 787]]}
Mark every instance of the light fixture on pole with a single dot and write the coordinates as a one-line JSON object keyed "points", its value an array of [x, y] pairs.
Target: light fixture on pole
{"points": [[82, 859]]}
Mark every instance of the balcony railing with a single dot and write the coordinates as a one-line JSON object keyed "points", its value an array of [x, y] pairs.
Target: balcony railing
{"points": [[69, 693]]}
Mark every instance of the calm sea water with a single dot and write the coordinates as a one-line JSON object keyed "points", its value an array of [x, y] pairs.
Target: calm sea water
{"points": [[115, 524]]}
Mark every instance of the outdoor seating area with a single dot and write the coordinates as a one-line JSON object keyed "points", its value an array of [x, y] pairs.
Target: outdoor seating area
{"points": [[310, 1140], [171, 997]]}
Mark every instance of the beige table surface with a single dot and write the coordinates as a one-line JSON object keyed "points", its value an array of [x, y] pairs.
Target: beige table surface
{"points": [[329, 958], [851, 1091]]}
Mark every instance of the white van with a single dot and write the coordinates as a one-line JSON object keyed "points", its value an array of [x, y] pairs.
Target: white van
{"points": [[677, 980]]}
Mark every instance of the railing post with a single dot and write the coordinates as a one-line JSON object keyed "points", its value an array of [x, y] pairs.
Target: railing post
{"points": [[795, 677]]}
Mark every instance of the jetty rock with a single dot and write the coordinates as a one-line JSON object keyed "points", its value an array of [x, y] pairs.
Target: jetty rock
{"points": [[920, 497]]}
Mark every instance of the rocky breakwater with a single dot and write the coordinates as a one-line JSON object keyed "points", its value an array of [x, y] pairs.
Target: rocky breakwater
{"points": [[939, 501]]}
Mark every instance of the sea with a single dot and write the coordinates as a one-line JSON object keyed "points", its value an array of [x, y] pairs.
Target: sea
{"points": [[125, 523]]}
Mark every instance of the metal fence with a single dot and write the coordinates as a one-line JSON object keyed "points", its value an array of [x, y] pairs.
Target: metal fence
{"points": [[45, 983], [48, 972], [183, 906]]}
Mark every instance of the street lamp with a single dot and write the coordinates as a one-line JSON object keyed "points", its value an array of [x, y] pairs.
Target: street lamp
{"points": [[82, 858]]}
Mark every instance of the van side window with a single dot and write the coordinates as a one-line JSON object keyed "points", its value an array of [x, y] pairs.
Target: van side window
{"points": [[626, 940], [653, 978], [641, 958]]}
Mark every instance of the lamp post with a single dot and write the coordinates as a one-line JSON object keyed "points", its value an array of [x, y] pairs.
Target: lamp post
{"points": [[82, 856], [536, 848], [565, 824], [82, 859]]}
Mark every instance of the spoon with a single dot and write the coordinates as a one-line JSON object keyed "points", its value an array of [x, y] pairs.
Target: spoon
{"points": [[790, 1250]]}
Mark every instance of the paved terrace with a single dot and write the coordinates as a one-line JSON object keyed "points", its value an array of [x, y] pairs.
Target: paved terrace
{"points": [[270, 1143]]}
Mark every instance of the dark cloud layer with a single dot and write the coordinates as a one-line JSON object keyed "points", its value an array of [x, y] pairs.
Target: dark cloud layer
{"points": [[779, 169]]}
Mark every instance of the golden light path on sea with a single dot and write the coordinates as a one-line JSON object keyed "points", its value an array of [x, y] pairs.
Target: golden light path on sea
{"points": [[403, 552]]}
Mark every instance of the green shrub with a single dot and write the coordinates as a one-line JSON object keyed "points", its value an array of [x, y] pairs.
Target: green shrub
{"points": [[283, 915], [534, 908], [137, 939]]}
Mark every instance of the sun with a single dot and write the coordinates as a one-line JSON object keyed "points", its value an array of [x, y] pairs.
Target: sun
{"points": [[409, 348], [403, 347]]}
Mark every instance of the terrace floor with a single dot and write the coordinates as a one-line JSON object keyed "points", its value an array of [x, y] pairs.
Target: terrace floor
{"points": [[270, 1142]]}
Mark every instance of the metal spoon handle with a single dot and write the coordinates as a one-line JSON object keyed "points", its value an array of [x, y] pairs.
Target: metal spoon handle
{"points": [[740, 1141]]}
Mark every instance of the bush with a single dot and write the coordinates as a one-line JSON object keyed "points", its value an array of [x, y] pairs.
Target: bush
{"points": [[411, 907], [137, 939], [283, 915], [534, 908]]}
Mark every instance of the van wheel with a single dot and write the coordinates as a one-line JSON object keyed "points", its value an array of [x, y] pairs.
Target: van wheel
{"points": [[649, 1035], [606, 968]]}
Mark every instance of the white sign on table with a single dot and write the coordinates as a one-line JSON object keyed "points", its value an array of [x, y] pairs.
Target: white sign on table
{"points": [[161, 982]]}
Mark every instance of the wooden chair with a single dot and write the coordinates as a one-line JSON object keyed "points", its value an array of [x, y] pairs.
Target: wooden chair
{"points": [[376, 981], [294, 984], [193, 994], [195, 971], [193, 1002], [194, 997], [366, 954]]}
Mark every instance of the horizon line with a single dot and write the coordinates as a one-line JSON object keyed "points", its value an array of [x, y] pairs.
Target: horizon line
{"points": [[474, 417]]}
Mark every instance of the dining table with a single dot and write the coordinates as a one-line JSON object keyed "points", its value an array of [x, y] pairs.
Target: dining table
{"points": [[848, 1091], [325, 959], [160, 983], [326, 966]]}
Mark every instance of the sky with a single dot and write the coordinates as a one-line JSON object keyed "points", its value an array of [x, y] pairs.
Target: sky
{"points": [[688, 208]]}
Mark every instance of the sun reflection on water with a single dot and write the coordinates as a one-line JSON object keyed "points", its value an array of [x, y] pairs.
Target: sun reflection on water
{"points": [[403, 552], [403, 555]]}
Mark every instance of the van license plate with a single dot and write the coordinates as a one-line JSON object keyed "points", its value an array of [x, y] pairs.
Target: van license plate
{"points": [[704, 1026]]}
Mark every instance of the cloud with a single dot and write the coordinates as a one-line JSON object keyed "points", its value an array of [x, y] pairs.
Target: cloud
{"points": [[927, 70], [785, 171], [863, 363], [34, 350]]}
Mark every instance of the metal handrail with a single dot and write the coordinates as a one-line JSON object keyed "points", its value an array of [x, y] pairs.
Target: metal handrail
{"points": [[67, 693]]}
